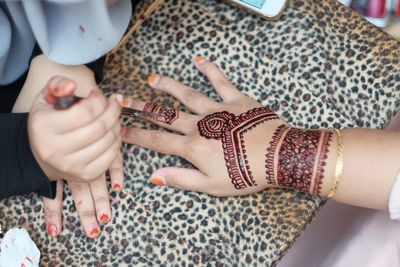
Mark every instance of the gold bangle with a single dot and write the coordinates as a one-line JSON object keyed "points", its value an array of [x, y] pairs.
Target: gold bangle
{"points": [[339, 164]]}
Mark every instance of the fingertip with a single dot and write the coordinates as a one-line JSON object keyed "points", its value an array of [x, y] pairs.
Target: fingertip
{"points": [[153, 79], [127, 102], [123, 131], [52, 230], [119, 98], [117, 187], [158, 180], [104, 218], [93, 231], [199, 60]]}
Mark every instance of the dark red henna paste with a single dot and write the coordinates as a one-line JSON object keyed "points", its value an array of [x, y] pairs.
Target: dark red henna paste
{"points": [[231, 131], [296, 158], [160, 113], [212, 125]]}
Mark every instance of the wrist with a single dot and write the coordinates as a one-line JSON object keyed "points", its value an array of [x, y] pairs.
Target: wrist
{"points": [[302, 159]]}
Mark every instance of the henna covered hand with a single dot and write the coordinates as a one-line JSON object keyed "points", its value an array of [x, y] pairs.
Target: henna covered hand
{"points": [[238, 146]]}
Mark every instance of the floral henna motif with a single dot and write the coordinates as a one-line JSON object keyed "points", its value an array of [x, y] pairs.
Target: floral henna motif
{"points": [[296, 158], [160, 113], [231, 129], [211, 126]]}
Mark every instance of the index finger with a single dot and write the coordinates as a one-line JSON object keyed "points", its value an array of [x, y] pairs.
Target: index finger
{"points": [[79, 115]]}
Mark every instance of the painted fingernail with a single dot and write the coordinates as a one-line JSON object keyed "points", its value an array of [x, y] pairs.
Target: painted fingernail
{"points": [[158, 180], [94, 231], [117, 187], [119, 98], [127, 102], [52, 230], [153, 79], [104, 218], [200, 60], [123, 131]]}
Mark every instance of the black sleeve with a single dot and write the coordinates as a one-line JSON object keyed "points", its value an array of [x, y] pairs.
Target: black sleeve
{"points": [[20, 173]]}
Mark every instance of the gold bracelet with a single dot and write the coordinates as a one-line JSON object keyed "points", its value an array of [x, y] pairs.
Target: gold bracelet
{"points": [[339, 164]]}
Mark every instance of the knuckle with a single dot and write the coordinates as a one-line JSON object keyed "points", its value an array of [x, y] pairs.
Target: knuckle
{"points": [[177, 183], [156, 140], [190, 95], [101, 127], [101, 200], [90, 111], [85, 213], [51, 212], [64, 166]]}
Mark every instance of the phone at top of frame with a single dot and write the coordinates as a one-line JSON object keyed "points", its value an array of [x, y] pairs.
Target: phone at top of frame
{"points": [[269, 9]]}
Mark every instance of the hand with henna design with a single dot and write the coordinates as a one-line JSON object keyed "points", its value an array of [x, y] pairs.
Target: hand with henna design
{"points": [[240, 147], [228, 142]]}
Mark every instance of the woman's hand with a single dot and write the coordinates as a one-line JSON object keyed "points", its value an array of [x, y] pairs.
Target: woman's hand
{"points": [[78, 144], [92, 203], [228, 150]]}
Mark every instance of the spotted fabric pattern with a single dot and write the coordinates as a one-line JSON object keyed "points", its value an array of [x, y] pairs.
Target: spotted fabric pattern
{"points": [[319, 65]]}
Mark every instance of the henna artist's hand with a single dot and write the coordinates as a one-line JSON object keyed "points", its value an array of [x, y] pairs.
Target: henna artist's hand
{"points": [[78, 144], [91, 201], [238, 146]]}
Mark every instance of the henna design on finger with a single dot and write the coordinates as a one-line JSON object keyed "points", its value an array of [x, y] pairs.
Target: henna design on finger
{"points": [[231, 129], [296, 158], [160, 113]]}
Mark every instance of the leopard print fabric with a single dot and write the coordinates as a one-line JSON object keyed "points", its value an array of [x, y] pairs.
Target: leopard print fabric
{"points": [[320, 65]]}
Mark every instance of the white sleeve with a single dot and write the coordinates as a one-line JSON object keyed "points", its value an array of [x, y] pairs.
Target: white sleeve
{"points": [[76, 32], [16, 42]]}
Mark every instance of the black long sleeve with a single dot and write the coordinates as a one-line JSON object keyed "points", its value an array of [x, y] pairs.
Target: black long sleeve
{"points": [[19, 171]]}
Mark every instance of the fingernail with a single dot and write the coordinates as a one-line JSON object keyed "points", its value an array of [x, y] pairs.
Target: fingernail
{"points": [[119, 98], [158, 180], [153, 79], [123, 131], [52, 230], [117, 187], [104, 218], [94, 231], [127, 102], [200, 60]]}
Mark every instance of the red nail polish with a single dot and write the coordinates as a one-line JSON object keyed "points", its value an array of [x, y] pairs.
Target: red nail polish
{"points": [[117, 187], [160, 181], [199, 60], [52, 230], [104, 218], [153, 79], [94, 232]]}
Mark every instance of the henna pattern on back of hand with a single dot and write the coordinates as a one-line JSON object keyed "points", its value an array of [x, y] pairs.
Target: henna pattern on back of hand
{"points": [[231, 129], [296, 158], [160, 113]]}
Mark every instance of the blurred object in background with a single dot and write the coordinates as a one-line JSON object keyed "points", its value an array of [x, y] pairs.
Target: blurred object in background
{"points": [[398, 8], [378, 12], [345, 2]]}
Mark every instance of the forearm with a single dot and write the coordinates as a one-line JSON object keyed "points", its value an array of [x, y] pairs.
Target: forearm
{"points": [[371, 165], [310, 160]]}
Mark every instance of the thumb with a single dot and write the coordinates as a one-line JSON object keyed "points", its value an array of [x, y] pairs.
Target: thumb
{"points": [[185, 179]]}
